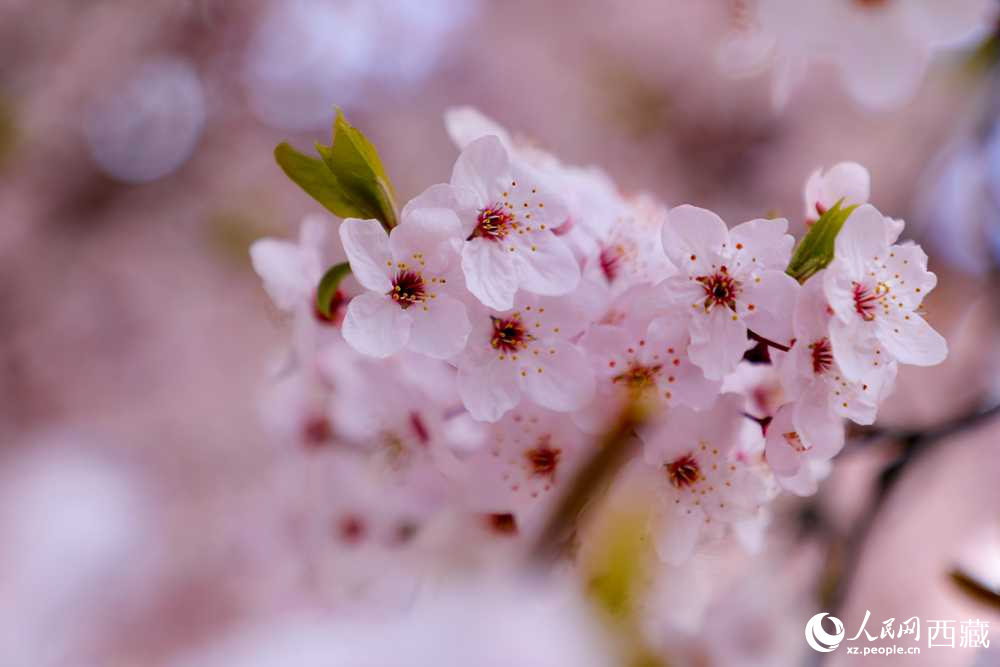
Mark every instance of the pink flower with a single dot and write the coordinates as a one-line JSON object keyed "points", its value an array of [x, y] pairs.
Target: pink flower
{"points": [[507, 219], [875, 290], [845, 180], [524, 350], [414, 287], [730, 281], [705, 478]]}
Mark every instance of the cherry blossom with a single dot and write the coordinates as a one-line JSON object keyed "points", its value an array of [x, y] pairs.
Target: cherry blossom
{"points": [[875, 289], [848, 182], [729, 281], [507, 217], [291, 272], [527, 350], [414, 297], [527, 458], [881, 48], [639, 357], [704, 480]]}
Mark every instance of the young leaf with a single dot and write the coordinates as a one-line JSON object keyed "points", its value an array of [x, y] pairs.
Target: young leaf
{"points": [[815, 251], [328, 286], [348, 178]]}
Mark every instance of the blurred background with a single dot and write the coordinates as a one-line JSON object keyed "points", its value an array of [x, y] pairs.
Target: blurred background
{"points": [[136, 168]]}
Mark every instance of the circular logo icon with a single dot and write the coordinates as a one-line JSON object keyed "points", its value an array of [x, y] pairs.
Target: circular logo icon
{"points": [[818, 638]]}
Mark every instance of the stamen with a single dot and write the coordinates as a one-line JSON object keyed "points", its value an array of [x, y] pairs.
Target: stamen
{"points": [[683, 472], [822, 356], [495, 222], [638, 377], [509, 335], [720, 289], [407, 289], [543, 458], [611, 261]]}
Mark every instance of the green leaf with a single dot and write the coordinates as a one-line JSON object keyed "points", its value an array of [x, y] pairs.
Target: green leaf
{"points": [[815, 251], [348, 178], [328, 286]]}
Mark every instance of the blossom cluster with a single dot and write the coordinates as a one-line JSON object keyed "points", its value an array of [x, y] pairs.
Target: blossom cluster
{"points": [[516, 310]]}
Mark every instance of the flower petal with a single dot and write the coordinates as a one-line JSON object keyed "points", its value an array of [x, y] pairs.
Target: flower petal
{"points": [[559, 378], [375, 325], [771, 294], [367, 248], [489, 391], [545, 265], [718, 341], [429, 239], [910, 340], [693, 239], [489, 273], [279, 266], [761, 244], [442, 330], [483, 167]]}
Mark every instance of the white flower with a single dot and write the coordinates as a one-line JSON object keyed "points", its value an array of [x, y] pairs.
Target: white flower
{"points": [[797, 463], [291, 272], [528, 456], [881, 47], [811, 373], [637, 356], [730, 280], [705, 477], [875, 290], [846, 180], [507, 218], [414, 286], [526, 349]]}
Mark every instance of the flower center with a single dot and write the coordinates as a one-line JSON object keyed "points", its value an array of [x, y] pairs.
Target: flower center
{"points": [[407, 289], [720, 289], [794, 441], [683, 472], [871, 4], [509, 334], [638, 377], [543, 458], [494, 222], [822, 356], [866, 299], [611, 262]]}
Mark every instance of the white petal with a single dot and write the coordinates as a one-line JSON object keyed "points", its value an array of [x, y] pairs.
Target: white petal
{"points": [[761, 244], [861, 240], [428, 239], [848, 181], [545, 265], [559, 378], [489, 391], [279, 266], [912, 341], [677, 539], [772, 299], [852, 344], [780, 455], [466, 124], [693, 238], [718, 341], [464, 202], [442, 330], [483, 167], [375, 325], [817, 425], [490, 273], [367, 248]]}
